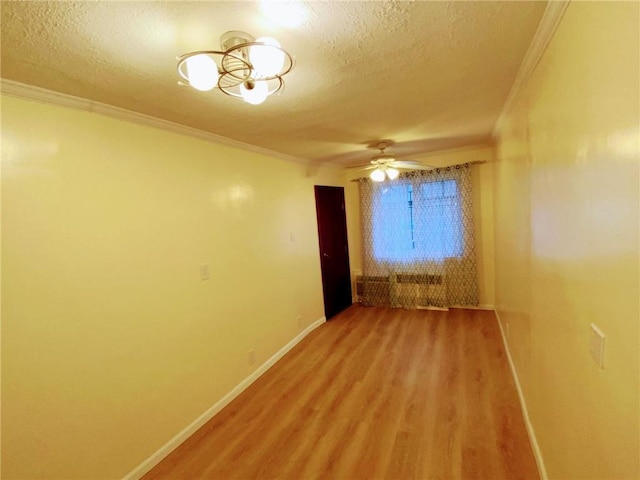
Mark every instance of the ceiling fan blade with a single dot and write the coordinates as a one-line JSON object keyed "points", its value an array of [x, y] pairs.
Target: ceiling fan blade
{"points": [[370, 167], [412, 165], [407, 162]]}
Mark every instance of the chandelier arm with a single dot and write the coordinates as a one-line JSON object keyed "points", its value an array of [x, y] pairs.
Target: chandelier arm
{"points": [[244, 47], [280, 86], [228, 89], [183, 58]]}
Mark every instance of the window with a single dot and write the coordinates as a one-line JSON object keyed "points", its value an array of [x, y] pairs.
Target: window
{"points": [[418, 239], [417, 222]]}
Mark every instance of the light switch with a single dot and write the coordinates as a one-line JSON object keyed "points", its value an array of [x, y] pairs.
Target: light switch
{"points": [[596, 345]]}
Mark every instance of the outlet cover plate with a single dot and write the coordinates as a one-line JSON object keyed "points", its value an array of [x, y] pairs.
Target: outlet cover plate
{"points": [[205, 274]]}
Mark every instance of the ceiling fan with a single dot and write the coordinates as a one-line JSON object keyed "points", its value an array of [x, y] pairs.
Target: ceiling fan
{"points": [[385, 165]]}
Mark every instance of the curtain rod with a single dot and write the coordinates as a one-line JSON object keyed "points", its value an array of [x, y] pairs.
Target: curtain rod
{"points": [[435, 169]]}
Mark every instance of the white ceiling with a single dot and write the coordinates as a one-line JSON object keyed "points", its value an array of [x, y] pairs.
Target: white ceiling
{"points": [[427, 75]]}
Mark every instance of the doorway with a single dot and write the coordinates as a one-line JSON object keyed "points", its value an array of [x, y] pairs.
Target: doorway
{"points": [[334, 249]]}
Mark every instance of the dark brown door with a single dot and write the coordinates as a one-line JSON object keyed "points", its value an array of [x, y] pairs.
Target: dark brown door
{"points": [[334, 251]]}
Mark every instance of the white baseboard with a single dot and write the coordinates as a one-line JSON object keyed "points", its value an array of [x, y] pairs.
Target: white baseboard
{"points": [[190, 429], [474, 307], [485, 307], [537, 453]]}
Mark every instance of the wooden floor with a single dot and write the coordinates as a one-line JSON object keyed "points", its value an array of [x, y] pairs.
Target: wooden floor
{"points": [[374, 393]]}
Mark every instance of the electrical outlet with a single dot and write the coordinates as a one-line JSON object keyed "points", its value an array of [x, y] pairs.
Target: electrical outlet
{"points": [[252, 357], [596, 345], [204, 272], [299, 321]]}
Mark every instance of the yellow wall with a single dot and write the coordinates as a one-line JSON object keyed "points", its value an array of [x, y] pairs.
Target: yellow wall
{"points": [[567, 243], [482, 181], [111, 342]]}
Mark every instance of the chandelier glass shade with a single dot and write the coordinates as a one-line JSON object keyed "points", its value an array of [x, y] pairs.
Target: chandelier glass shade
{"points": [[246, 68]]}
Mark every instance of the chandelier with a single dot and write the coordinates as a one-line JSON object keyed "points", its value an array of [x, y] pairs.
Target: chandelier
{"points": [[246, 68]]}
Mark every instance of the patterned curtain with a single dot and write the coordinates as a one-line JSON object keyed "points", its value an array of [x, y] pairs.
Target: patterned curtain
{"points": [[418, 240]]}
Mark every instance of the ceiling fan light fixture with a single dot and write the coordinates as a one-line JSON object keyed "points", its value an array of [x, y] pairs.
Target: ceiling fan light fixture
{"points": [[242, 65], [392, 173], [377, 175], [384, 165]]}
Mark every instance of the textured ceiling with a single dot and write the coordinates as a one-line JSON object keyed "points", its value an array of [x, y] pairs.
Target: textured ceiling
{"points": [[427, 75]]}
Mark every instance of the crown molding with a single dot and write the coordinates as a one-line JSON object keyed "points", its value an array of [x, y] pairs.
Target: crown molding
{"points": [[549, 22], [31, 92], [464, 148]]}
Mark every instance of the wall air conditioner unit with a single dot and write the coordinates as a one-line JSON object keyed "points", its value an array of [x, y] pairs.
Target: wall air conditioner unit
{"points": [[427, 290], [423, 290], [372, 289]]}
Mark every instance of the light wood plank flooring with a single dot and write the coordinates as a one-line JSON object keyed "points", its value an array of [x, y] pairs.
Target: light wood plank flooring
{"points": [[374, 393]]}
